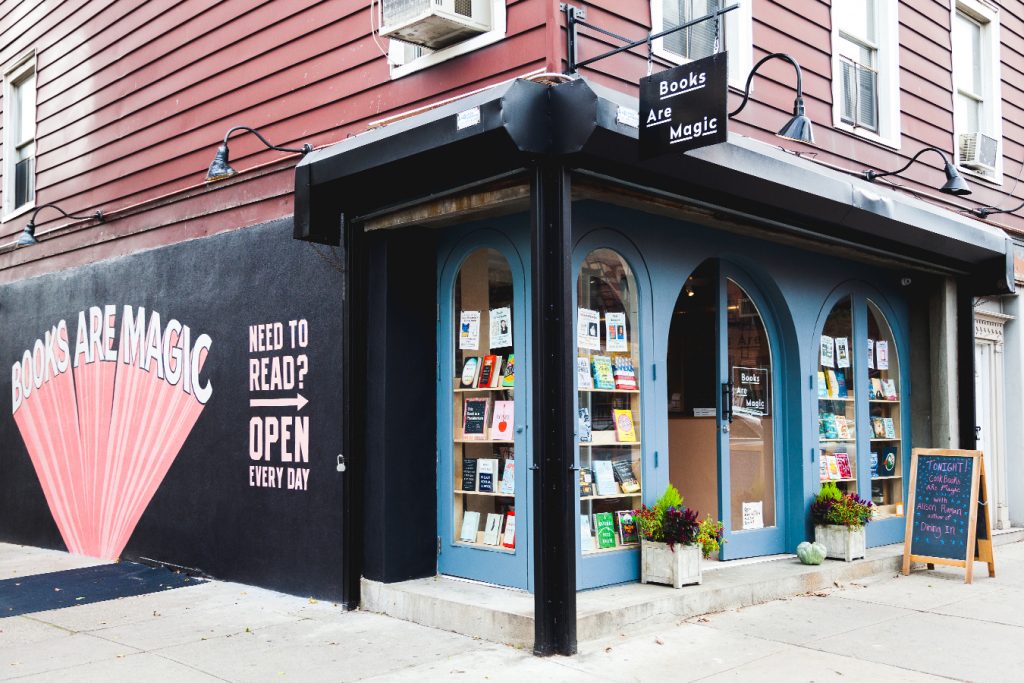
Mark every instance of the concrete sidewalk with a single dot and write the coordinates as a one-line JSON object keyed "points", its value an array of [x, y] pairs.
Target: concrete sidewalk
{"points": [[907, 628]]}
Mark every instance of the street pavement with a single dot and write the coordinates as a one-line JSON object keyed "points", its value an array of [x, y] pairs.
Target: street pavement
{"points": [[928, 626]]}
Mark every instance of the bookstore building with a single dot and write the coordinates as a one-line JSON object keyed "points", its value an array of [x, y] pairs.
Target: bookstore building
{"points": [[553, 329]]}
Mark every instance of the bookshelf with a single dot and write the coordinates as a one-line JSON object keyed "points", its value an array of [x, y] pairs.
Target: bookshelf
{"points": [[610, 452], [837, 400], [885, 412]]}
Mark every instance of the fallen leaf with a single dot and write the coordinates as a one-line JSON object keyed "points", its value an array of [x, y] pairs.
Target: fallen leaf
{"points": [[659, 641], [313, 601]]}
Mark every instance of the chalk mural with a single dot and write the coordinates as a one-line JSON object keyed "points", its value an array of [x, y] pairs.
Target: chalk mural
{"points": [[104, 414]]}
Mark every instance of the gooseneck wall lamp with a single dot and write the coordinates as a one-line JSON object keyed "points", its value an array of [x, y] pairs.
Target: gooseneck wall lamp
{"points": [[799, 127], [221, 169], [28, 235], [954, 185]]}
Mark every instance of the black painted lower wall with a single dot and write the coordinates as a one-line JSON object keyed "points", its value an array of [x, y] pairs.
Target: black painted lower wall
{"points": [[114, 447]]}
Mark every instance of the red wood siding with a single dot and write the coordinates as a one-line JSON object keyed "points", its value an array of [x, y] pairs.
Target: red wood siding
{"points": [[133, 99]]}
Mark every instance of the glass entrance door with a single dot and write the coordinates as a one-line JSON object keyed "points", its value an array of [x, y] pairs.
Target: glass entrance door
{"points": [[750, 469]]}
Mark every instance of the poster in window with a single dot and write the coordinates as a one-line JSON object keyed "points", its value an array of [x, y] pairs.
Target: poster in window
{"points": [[827, 351], [750, 391], [615, 331], [871, 354], [882, 354], [501, 328], [469, 330], [588, 332], [842, 352], [753, 515]]}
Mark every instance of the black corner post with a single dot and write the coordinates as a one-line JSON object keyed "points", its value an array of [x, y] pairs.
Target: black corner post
{"points": [[354, 382], [554, 519], [965, 365]]}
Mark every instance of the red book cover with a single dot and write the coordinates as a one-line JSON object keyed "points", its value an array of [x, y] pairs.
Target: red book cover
{"points": [[487, 371], [509, 538]]}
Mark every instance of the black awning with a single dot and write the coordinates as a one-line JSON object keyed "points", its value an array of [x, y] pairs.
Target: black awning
{"points": [[508, 127]]}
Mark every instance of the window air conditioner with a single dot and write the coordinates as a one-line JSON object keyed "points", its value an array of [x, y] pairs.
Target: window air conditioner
{"points": [[434, 23], [978, 151]]}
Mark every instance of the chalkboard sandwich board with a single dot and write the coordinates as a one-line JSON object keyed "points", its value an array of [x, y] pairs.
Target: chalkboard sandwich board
{"points": [[947, 512]]}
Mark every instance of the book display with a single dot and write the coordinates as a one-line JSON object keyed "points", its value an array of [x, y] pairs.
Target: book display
{"points": [[609, 434], [885, 414], [837, 405], [484, 410]]}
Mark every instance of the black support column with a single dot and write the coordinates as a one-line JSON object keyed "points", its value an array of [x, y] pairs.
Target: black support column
{"points": [[965, 366], [554, 519]]}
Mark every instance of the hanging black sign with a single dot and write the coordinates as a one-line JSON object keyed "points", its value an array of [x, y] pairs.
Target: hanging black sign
{"points": [[684, 108]]}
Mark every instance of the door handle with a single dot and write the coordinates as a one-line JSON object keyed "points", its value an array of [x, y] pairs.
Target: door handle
{"points": [[726, 403]]}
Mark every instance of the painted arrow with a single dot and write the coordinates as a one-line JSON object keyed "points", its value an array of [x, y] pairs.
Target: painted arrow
{"points": [[299, 402]]}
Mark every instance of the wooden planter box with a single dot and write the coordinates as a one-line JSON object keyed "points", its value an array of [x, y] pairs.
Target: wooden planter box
{"points": [[842, 542], [660, 564]]}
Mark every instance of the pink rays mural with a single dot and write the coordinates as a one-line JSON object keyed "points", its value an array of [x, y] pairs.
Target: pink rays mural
{"points": [[103, 423]]}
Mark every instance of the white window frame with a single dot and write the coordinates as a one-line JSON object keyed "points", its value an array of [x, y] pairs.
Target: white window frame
{"points": [[739, 39], [22, 67], [396, 48], [888, 85], [991, 66]]}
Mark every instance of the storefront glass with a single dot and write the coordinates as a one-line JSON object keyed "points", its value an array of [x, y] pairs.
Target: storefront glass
{"points": [[884, 394]]}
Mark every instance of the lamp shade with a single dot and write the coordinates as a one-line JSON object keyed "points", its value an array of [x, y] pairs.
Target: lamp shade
{"points": [[799, 127], [28, 236], [955, 184], [220, 168]]}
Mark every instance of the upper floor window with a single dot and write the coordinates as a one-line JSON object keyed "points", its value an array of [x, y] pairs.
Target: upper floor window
{"points": [[865, 69], [977, 116], [19, 137], [424, 33], [698, 41]]}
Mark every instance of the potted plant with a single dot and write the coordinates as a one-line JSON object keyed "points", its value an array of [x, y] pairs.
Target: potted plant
{"points": [[672, 541], [839, 521]]}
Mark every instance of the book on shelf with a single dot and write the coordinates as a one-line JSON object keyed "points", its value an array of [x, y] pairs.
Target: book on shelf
{"points": [[842, 428], [474, 418], [584, 427], [508, 477], [822, 385], [833, 467], [508, 539], [833, 383], [605, 527], [468, 474], [625, 375], [887, 462], [487, 471], [502, 420], [492, 531], [470, 371], [841, 389], [508, 375], [890, 428], [470, 525], [843, 462], [488, 371], [874, 464], [604, 376], [877, 427], [823, 465], [604, 477], [586, 534], [584, 380], [625, 430], [831, 429], [628, 533], [877, 391], [623, 470], [889, 390], [586, 482]]}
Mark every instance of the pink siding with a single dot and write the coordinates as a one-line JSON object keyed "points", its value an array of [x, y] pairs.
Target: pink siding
{"points": [[133, 99]]}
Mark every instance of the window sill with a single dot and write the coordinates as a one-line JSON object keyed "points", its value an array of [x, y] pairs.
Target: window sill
{"points": [[868, 136], [995, 180], [450, 52], [23, 209]]}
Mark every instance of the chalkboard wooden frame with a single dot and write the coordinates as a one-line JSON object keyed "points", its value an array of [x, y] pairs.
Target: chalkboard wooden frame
{"points": [[979, 525]]}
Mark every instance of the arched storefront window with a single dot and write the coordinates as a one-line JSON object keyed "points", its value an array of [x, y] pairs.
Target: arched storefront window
{"points": [[837, 407], [884, 396], [608, 382]]}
